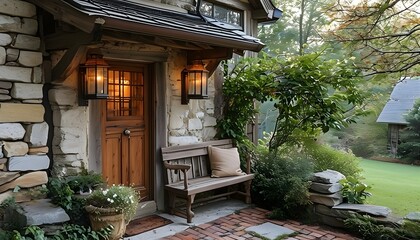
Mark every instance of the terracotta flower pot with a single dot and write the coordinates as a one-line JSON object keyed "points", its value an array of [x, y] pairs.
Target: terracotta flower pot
{"points": [[103, 217]]}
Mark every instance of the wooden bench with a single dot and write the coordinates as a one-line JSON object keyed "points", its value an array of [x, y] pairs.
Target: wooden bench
{"points": [[188, 173]]}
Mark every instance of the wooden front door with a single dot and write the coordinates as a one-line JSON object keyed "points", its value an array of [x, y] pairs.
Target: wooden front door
{"points": [[125, 151]]}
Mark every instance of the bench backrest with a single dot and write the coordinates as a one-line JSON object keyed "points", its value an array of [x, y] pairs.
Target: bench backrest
{"points": [[195, 155]]}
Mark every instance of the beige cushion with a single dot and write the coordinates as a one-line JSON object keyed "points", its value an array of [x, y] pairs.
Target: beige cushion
{"points": [[224, 162]]}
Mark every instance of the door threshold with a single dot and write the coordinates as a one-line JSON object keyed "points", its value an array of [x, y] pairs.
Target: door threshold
{"points": [[146, 208]]}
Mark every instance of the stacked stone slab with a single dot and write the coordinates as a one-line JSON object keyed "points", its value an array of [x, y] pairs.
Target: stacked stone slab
{"points": [[23, 131], [325, 188], [328, 203]]}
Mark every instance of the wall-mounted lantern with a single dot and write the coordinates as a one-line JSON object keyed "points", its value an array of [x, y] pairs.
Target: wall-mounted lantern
{"points": [[194, 83], [94, 77]]}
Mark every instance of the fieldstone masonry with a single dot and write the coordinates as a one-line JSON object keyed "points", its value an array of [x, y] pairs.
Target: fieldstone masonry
{"points": [[190, 123], [22, 123], [328, 205]]}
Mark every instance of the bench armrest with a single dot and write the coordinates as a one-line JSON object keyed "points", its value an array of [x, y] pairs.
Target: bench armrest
{"points": [[183, 167]]}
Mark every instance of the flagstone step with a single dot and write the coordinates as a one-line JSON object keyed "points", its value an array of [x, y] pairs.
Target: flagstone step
{"points": [[40, 212]]}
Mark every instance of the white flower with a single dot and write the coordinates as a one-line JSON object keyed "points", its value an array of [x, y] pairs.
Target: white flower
{"points": [[114, 196], [110, 200], [105, 192]]}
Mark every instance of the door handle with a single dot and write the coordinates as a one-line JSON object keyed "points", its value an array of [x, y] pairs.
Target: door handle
{"points": [[127, 132]]}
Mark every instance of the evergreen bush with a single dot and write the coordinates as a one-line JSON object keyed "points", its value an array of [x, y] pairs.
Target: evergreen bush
{"points": [[281, 183], [409, 148]]}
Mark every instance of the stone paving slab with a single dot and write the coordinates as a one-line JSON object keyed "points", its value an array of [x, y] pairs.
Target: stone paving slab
{"points": [[269, 230]]}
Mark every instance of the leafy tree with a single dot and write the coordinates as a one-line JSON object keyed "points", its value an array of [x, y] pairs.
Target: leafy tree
{"points": [[382, 33], [310, 93], [298, 31], [409, 147], [315, 93]]}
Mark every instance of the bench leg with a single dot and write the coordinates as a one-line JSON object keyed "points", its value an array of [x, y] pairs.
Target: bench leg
{"points": [[172, 198], [190, 214], [247, 192]]}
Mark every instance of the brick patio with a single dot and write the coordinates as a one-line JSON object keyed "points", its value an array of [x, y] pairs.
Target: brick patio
{"points": [[233, 227]]}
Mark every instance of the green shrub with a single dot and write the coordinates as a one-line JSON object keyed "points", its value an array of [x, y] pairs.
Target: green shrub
{"points": [[61, 194], [74, 231], [281, 183], [354, 191], [369, 228], [325, 157], [362, 149], [69, 231], [8, 210], [85, 181], [409, 148]]}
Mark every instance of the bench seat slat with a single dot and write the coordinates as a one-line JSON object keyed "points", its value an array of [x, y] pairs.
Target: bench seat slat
{"points": [[204, 184]]}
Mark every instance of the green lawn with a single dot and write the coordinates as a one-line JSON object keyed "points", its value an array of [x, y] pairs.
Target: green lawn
{"points": [[396, 186]]}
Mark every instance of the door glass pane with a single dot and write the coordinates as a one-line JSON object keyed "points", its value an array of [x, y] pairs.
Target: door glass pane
{"points": [[125, 94]]}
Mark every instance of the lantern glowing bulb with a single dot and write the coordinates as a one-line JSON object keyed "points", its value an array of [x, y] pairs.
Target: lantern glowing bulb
{"points": [[95, 77], [194, 82]]}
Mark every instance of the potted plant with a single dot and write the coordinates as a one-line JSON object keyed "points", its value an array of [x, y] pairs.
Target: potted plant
{"points": [[114, 206]]}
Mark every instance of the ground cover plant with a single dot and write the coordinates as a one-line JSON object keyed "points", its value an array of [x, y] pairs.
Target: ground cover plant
{"points": [[369, 228], [393, 185]]}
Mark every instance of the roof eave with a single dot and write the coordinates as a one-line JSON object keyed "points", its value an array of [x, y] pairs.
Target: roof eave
{"points": [[86, 22], [177, 34]]}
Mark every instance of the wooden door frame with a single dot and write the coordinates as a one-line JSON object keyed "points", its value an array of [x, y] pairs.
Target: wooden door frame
{"points": [[149, 118]]}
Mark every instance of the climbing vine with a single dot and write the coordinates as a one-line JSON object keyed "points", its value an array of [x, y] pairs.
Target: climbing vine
{"points": [[251, 79]]}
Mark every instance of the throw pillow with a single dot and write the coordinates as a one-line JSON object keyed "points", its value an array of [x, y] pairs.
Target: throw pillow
{"points": [[224, 162]]}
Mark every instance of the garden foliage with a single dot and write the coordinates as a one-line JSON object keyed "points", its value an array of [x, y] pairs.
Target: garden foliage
{"points": [[369, 228], [354, 191], [325, 157], [281, 183], [310, 94], [61, 194], [70, 231], [409, 148]]}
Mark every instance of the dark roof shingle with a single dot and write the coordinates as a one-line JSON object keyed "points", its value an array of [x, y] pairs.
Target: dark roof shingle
{"points": [[190, 26], [401, 101]]}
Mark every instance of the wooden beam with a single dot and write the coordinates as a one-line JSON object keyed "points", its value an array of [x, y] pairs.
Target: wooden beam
{"points": [[68, 63], [212, 65], [135, 56], [217, 53], [74, 54], [66, 40], [152, 40]]}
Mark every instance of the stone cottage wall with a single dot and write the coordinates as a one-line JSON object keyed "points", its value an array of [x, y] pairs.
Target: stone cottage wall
{"points": [[23, 131], [190, 123], [70, 124]]}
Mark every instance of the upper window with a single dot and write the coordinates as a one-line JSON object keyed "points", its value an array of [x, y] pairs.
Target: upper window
{"points": [[223, 14]]}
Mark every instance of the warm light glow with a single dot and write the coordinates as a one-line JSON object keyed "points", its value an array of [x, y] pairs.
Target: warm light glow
{"points": [[96, 77], [197, 81], [194, 82]]}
